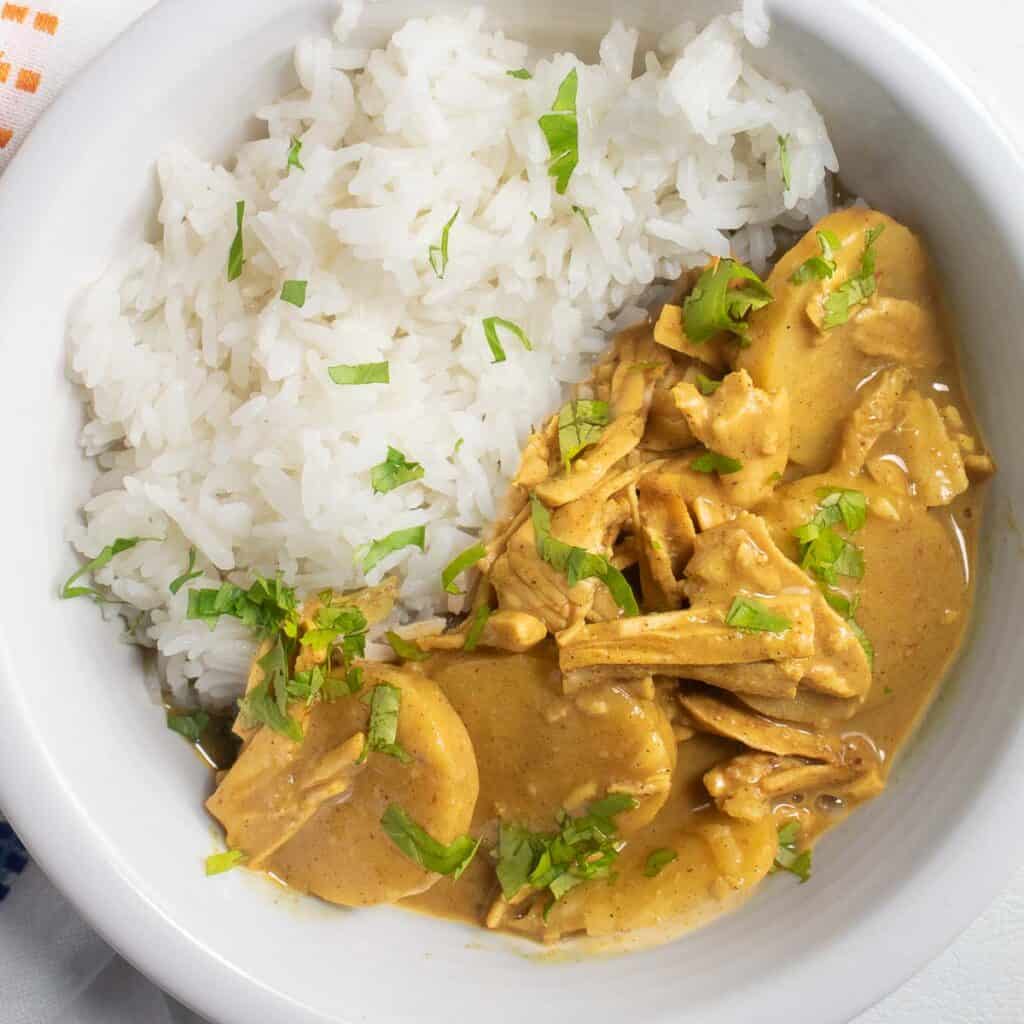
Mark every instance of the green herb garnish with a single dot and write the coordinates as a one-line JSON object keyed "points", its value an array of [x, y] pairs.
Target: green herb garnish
{"points": [[837, 503], [460, 563], [577, 563], [385, 703], [293, 155], [360, 373], [561, 130], [191, 725], [706, 386], [711, 462], [294, 292], [119, 545], [218, 863], [657, 860], [582, 849], [823, 552], [819, 267], [267, 703], [752, 616], [491, 325], [370, 554], [394, 471], [715, 305], [857, 289], [476, 627], [847, 607], [236, 254], [519, 73], [422, 848], [580, 424], [784, 164], [786, 857], [266, 606], [179, 581], [438, 254], [579, 211], [407, 650]]}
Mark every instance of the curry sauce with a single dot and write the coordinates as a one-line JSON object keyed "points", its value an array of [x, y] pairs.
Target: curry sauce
{"points": [[730, 575]]}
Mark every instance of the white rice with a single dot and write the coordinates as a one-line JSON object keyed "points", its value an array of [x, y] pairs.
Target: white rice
{"points": [[212, 417]]}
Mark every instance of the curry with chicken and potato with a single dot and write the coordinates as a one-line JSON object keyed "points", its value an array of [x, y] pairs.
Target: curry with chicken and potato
{"points": [[728, 578]]}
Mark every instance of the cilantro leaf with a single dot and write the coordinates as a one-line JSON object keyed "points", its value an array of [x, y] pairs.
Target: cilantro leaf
{"points": [[819, 267], [577, 563], [752, 616], [657, 860], [579, 211], [460, 563], [580, 424], [583, 848], [294, 292], [377, 550], [491, 325], [438, 254], [521, 73], [476, 627], [267, 703], [394, 471], [851, 506], [422, 848], [94, 564], [236, 254], [707, 386], [784, 164], [360, 373], [190, 725], [268, 605], [293, 155], [711, 462], [721, 299], [856, 289], [787, 858], [407, 650], [218, 863], [179, 581], [561, 131], [385, 703]]}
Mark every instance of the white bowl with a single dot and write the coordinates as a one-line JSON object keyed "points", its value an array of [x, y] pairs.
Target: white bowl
{"points": [[109, 801]]}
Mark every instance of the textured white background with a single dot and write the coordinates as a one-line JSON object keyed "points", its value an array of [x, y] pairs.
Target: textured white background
{"points": [[980, 978]]}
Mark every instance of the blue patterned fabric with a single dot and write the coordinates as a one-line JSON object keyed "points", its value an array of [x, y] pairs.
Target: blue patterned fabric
{"points": [[13, 857]]}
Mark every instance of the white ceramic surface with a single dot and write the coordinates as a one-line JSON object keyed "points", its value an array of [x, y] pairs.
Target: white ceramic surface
{"points": [[107, 800]]}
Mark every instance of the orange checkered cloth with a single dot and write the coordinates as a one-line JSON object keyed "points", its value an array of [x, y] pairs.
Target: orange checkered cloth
{"points": [[42, 45]]}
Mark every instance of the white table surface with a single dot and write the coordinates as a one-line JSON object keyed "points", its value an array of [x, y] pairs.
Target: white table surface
{"points": [[980, 978]]}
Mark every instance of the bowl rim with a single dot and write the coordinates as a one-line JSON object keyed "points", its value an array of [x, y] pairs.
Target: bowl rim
{"points": [[79, 859]]}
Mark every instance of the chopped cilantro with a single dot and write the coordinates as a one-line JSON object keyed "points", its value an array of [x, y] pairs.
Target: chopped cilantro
{"points": [[857, 289], [438, 254], [752, 616], [711, 462], [218, 863], [519, 73], [293, 155], [460, 563], [385, 703], [491, 325], [577, 563], [819, 267], [721, 299], [707, 386], [580, 424], [360, 373], [784, 164], [407, 650], [236, 254], [94, 564], [787, 858], [377, 550], [191, 725], [476, 627], [394, 471], [657, 860], [422, 848], [294, 292], [179, 581], [561, 131]]}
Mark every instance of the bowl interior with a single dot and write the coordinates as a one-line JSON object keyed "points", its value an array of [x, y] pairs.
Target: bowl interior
{"points": [[109, 800]]}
